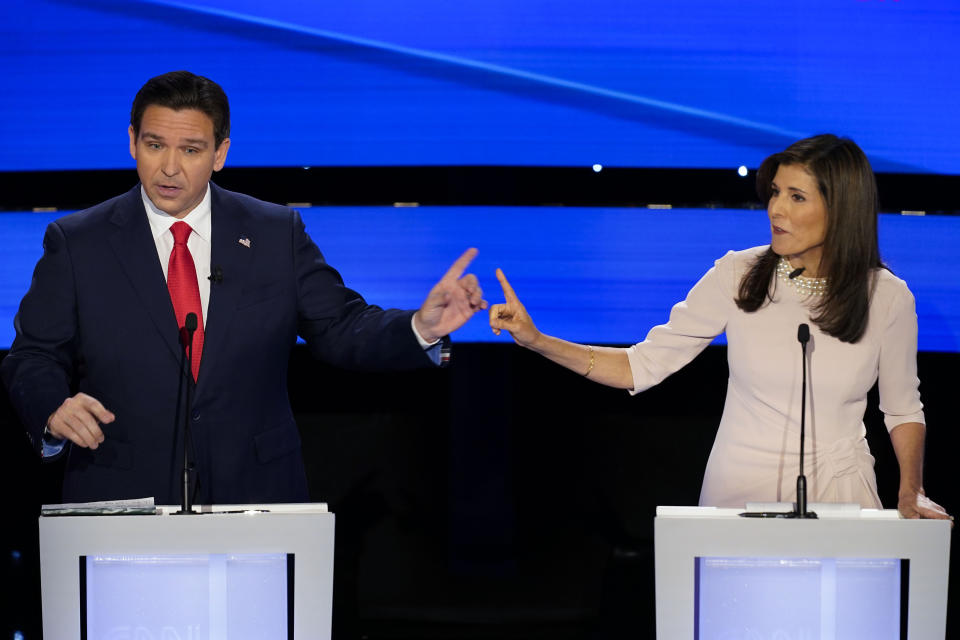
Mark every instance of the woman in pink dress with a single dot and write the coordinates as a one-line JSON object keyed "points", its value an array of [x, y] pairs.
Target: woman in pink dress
{"points": [[823, 268]]}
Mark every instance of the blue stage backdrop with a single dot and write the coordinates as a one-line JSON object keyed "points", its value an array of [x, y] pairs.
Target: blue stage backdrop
{"points": [[600, 275], [630, 83]]}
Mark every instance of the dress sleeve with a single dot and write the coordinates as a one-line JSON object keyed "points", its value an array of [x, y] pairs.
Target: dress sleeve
{"points": [[898, 381], [693, 324]]}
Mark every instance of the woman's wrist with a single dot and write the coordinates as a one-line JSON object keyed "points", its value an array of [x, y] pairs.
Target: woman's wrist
{"points": [[539, 343], [910, 490]]}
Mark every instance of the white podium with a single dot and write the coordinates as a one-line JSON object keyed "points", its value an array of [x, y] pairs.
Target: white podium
{"points": [[235, 571], [865, 574]]}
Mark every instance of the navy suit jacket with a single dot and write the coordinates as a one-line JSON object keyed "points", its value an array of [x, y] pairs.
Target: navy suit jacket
{"points": [[98, 319]]}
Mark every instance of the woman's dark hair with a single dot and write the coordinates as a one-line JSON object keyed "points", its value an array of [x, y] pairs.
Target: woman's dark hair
{"points": [[850, 249], [180, 90]]}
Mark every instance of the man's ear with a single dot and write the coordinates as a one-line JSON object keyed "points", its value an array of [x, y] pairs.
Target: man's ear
{"points": [[220, 155], [133, 143]]}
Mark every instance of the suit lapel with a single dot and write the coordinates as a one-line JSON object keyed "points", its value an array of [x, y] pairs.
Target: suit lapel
{"points": [[132, 243], [230, 255]]}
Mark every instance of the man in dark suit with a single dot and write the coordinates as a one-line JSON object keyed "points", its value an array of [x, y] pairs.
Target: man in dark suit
{"points": [[101, 334]]}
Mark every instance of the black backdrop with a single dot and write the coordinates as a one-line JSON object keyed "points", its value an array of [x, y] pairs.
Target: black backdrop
{"points": [[441, 185]]}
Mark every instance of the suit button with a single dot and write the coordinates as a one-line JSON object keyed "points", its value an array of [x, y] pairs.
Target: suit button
{"points": [[196, 416]]}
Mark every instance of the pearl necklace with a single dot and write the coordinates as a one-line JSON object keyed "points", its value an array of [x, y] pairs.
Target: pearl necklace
{"points": [[806, 286]]}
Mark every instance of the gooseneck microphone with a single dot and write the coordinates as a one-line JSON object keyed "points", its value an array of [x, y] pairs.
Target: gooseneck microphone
{"points": [[803, 335], [800, 509], [189, 327]]}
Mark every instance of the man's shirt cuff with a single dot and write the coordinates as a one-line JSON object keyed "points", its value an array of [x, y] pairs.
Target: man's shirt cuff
{"points": [[423, 343], [51, 446]]}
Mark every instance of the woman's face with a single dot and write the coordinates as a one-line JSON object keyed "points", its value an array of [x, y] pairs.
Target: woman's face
{"points": [[798, 218]]}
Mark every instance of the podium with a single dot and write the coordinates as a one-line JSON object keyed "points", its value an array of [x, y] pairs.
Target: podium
{"points": [[233, 571], [856, 573]]}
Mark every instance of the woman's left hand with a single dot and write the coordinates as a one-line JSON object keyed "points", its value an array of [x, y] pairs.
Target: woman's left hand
{"points": [[915, 504]]}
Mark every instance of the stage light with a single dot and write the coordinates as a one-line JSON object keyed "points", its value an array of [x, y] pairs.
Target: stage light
{"points": [[597, 168], [742, 171]]}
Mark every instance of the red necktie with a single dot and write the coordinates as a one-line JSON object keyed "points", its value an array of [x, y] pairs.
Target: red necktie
{"points": [[184, 290]]}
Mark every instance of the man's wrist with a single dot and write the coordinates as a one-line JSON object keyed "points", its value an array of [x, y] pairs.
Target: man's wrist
{"points": [[425, 341], [49, 436]]}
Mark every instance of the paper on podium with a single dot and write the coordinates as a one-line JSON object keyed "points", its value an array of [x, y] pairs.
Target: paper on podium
{"points": [[146, 506], [135, 507]]}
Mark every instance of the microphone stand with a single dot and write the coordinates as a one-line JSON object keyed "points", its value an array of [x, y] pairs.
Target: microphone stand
{"points": [[189, 326], [800, 509], [803, 335]]}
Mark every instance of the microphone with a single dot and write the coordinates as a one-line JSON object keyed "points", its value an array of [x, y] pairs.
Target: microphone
{"points": [[216, 275], [794, 274], [800, 511], [803, 336], [189, 327]]}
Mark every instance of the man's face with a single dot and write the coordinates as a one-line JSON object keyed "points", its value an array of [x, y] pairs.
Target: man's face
{"points": [[176, 156]]}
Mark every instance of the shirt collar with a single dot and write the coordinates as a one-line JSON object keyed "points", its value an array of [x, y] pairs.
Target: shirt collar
{"points": [[160, 222]]}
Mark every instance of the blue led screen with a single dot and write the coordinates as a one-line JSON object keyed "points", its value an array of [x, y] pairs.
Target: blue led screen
{"points": [[633, 83], [596, 275]]}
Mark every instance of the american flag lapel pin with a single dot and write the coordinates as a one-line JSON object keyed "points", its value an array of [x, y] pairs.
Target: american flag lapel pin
{"points": [[245, 241]]}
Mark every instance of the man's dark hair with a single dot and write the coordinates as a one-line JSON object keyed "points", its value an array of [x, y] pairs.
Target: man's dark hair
{"points": [[180, 90]]}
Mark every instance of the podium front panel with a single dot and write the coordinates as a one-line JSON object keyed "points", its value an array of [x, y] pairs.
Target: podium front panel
{"points": [[864, 554], [159, 568]]}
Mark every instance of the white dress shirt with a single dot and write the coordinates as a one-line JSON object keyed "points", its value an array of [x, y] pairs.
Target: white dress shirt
{"points": [[199, 241]]}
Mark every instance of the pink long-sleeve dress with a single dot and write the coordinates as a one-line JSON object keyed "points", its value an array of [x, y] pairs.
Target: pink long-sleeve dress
{"points": [[755, 456]]}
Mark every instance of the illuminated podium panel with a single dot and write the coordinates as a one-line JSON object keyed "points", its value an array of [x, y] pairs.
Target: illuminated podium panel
{"points": [[237, 571], [859, 574]]}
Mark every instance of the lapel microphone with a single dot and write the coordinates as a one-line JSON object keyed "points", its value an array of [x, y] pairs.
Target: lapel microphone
{"points": [[796, 272]]}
